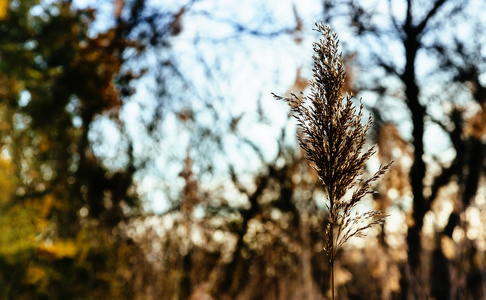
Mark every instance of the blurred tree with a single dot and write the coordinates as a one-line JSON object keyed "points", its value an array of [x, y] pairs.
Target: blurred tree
{"points": [[60, 203]]}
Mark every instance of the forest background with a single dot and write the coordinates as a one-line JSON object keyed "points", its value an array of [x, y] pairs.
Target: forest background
{"points": [[143, 157]]}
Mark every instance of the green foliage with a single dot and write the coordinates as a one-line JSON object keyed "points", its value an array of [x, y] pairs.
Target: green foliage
{"points": [[59, 204]]}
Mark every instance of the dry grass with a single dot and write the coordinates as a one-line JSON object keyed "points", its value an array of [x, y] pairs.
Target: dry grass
{"points": [[333, 138]]}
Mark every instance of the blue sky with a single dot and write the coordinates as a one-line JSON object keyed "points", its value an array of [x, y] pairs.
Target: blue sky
{"points": [[207, 51]]}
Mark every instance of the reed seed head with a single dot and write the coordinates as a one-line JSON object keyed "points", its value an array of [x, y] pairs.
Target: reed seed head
{"points": [[333, 138]]}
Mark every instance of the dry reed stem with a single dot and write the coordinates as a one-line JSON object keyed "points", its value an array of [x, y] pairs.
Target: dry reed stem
{"points": [[333, 138]]}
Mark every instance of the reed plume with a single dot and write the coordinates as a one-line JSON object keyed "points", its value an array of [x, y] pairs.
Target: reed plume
{"points": [[333, 139]]}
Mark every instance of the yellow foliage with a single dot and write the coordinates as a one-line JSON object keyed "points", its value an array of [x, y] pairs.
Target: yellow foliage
{"points": [[7, 182], [17, 232], [43, 206], [3, 9], [41, 224], [58, 249], [49, 202], [33, 275]]}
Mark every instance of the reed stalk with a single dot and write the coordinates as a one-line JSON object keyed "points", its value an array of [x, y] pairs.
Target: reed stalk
{"points": [[333, 138]]}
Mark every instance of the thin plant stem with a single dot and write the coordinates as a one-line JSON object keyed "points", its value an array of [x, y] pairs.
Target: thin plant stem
{"points": [[332, 279], [331, 244]]}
